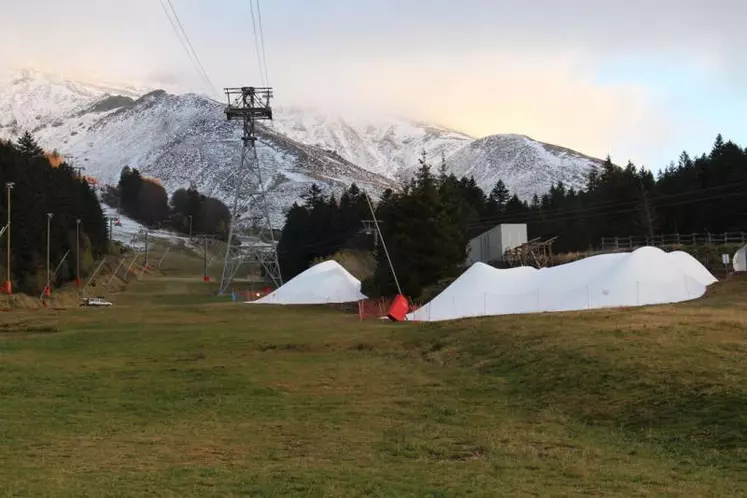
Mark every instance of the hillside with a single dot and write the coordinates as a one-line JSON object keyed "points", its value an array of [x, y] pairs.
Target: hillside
{"points": [[180, 139], [382, 144], [175, 390], [186, 138], [532, 166]]}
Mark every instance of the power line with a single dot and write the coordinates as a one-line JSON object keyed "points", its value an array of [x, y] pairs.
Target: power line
{"points": [[178, 35], [181, 33], [333, 242], [256, 44], [592, 212], [189, 43], [262, 39], [599, 205]]}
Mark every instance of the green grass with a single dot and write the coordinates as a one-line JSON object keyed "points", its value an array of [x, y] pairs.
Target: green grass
{"points": [[174, 392]]}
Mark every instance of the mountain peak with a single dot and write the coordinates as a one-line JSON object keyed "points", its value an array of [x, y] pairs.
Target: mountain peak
{"points": [[183, 138], [525, 165], [381, 143]]}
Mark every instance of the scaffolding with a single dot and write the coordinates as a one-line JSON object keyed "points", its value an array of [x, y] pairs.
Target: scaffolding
{"points": [[536, 252]]}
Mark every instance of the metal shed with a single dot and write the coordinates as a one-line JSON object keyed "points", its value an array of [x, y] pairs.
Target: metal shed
{"points": [[491, 245]]}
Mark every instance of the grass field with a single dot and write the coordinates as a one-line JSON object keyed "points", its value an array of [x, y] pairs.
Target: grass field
{"points": [[174, 392]]}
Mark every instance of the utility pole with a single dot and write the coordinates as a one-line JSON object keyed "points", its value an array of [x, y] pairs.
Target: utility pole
{"points": [[648, 213], [77, 252], [111, 229], [383, 243], [145, 265], [249, 105], [370, 227], [48, 291], [8, 285], [190, 227], [205, 277]]}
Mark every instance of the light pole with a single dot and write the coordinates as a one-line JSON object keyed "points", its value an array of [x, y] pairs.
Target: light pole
{"points": [[146, 250], [8, 285], [77, 252], [47, 290], [205, 277]]}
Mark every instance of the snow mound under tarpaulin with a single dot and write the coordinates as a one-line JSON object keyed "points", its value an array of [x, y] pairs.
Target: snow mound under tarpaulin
{"points": [[644, 277], [325, 283], [740, 260], [693, 268]]}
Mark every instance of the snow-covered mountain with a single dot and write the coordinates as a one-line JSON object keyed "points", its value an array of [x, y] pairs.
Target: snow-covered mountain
{"points": [[52, 106], [179, 139], [381, 144], [525, 165], [392, 146], [183, 139]]}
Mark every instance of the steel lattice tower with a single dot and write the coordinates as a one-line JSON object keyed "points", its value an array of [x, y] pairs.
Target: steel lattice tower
{"points": [[249, 105]]}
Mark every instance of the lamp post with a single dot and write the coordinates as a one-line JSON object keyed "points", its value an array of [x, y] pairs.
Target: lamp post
{"points": [[205, 277], [47, 290], [77, 252], [145, 266], [8, 285]]}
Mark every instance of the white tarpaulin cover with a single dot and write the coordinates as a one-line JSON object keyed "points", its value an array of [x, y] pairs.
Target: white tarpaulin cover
{"points": [[325, 283], [740, 260], [693, 268], [645, 276]]}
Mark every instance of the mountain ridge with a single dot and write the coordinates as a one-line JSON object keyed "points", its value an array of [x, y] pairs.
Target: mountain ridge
{"points": [[184, 138]]}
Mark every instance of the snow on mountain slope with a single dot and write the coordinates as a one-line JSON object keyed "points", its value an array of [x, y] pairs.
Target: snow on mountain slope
{"points": [[131, 233], [381, 144], [54, 108], [179, 139], [183, 139], [392, 146], [526, 166]]}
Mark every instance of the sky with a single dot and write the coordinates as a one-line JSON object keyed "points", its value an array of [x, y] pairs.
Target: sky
{"points": [[638, 80]]}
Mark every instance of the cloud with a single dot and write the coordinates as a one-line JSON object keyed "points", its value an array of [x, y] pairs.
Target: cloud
{"points": [[483, 66], [553, 98]]}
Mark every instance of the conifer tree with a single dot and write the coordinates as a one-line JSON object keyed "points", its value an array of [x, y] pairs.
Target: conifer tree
{"points": [[426, 240], [498, 198], [40, 189], [28, 146]]}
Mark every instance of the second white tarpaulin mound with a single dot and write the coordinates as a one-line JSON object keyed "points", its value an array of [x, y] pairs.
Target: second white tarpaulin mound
{"points": [[643, 277], [740, 260], [325, 283]]}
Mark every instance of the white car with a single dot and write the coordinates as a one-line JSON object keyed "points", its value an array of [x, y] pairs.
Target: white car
{"points": [[95, 301]]}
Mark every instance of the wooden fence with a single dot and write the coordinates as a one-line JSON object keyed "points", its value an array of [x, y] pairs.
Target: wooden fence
{"points": [[669, 240]]}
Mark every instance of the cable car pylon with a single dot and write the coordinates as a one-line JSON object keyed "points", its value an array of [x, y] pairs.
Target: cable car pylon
{"points": [[249, 105]]}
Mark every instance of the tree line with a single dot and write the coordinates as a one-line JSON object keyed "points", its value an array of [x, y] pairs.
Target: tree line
{"points": [[425, 225], [429, 221], [41, 188], [322, 226], [188, 211], [693, 195]]}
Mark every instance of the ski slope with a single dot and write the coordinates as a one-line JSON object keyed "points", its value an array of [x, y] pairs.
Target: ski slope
{"points": [[131, 233]]}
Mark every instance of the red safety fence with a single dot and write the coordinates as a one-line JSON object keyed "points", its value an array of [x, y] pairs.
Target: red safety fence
{"points": [[374, 309], [251, 295]]}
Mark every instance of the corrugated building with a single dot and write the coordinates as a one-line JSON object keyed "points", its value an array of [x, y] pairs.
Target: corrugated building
{"points": [[490, 246]]}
